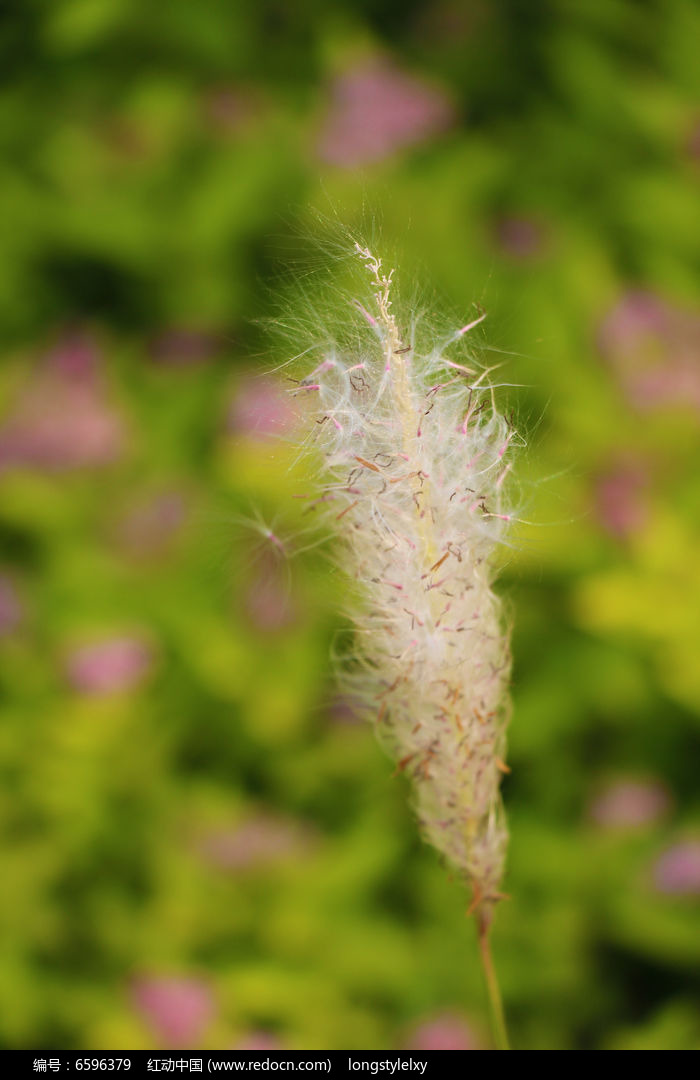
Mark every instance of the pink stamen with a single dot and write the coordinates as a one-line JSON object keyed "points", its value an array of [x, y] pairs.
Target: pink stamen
{"points": [[459, 367], [465, 423], [503, 475], [471, 325], [327, 365], [363, 311], [503, 449]]}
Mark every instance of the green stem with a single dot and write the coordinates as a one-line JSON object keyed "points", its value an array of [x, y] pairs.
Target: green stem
{"points": [[498, 1020]]}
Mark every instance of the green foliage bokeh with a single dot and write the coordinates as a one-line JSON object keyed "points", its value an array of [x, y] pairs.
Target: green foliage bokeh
{"points": [[158, 166]]}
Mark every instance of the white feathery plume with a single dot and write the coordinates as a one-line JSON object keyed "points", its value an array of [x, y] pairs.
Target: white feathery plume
{"points": [[415, 464]]}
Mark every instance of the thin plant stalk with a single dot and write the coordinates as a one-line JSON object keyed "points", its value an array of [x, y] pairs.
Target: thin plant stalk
{"points": [[493, 990]]}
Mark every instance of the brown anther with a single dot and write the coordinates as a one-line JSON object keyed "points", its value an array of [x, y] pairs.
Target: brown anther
{"points": [[346, 510], [367, 464], [402, 764], [390, 689], [439, 563]]}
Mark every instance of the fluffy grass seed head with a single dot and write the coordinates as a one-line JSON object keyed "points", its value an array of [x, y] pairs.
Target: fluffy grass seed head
{"points": [[415, 464]]}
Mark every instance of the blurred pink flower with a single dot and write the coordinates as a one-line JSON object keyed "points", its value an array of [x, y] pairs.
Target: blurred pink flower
{"points": [[654, 350], [629, 804], [63, 419], [677, 870], [260, 410], [10, 606], [259, 1040], [75, 358], [519, 237], [620, 503], [178, 1010], [148, 528], [109, 666], [636, 317], [260, 841], [446, 1031], [377, 109], [182, 346]]}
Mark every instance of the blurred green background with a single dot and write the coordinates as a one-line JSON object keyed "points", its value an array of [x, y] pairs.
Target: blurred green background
{"points": [[201, 846]]}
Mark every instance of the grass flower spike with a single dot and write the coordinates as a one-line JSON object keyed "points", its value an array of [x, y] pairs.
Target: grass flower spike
{"points": [[415, 474]]}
